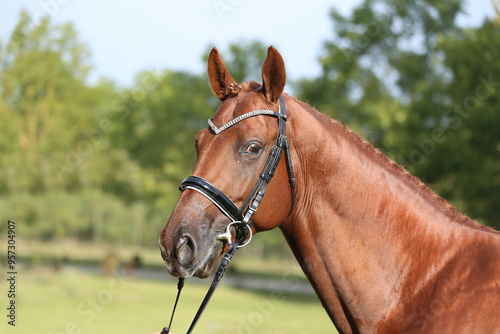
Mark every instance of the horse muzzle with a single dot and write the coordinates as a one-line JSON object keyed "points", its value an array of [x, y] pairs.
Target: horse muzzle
{"points": [[185, 262]]}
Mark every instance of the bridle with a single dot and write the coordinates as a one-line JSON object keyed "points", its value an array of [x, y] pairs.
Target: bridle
{"points": [[240, 217]]}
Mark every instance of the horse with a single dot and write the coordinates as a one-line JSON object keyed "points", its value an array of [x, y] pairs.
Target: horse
{"points": [[382, 251]]}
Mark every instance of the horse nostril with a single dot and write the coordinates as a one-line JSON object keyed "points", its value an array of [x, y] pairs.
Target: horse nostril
{"points": [[162, 253], [186, 249]]}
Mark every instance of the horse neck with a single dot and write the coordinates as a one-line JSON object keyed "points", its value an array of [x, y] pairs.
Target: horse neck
{"points": [[358, 220]]}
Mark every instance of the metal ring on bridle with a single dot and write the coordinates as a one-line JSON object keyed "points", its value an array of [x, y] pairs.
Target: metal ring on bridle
{"points": [[229, 237]]}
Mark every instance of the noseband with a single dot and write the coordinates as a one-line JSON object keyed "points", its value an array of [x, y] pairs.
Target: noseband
{"points": [[240, 217]]}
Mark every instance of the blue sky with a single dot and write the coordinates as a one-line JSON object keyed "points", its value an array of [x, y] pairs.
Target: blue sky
{"points": [[126, 36]]}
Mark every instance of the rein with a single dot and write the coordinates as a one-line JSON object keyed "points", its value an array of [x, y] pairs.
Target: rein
{"points": [[240, 218]]}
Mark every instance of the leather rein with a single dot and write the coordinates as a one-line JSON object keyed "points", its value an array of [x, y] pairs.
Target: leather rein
{"points": [[240, 217]]}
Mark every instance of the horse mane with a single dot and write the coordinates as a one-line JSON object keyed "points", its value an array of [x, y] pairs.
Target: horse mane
{"points": [[399, 171]]}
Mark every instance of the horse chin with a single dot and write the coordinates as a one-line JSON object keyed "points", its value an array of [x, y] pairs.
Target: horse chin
{"points": [[205, 267]]}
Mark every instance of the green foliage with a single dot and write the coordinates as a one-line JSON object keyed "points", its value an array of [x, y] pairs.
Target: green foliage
{"points": [[88, 214], [95, 162], [468, 168], [424, 90], [78, 302], [59, 173]]}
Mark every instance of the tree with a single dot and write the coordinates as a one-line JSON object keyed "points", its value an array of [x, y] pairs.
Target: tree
{"points": [[95, 162], [464, 161], [58, 173], [395, 72]]}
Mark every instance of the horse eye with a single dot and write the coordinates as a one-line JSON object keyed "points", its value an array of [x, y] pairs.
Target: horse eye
{"points": [[253, 148]]}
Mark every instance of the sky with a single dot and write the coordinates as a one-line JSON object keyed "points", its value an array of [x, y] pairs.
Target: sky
{"points": [[126, 37]]}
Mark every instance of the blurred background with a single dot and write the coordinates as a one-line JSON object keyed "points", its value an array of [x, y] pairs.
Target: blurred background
{"points": [[100, 102]]}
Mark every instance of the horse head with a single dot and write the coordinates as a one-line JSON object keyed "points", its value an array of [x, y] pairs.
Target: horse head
{"points": [[231, 155]]}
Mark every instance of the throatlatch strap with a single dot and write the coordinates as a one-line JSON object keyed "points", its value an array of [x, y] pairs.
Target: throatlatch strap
{"points": [[288, 157]]}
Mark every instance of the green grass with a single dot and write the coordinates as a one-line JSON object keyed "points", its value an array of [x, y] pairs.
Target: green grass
{"points": [[72, 302]]}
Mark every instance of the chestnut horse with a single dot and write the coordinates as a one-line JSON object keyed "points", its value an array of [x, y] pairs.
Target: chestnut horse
{"points": [[382, 251]]}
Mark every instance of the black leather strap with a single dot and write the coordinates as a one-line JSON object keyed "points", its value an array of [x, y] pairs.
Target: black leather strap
{"points": [[217, 278], [286, 149], [215, 195], [281, 144], [180, 285]]}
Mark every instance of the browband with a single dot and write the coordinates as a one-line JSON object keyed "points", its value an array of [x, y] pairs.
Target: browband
{"points": [[244, 116]]}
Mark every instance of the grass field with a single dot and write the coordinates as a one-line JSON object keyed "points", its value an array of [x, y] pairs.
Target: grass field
{"points": [[74, 302]]}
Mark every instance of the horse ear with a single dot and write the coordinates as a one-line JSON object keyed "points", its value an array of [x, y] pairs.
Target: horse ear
{"points": [[221, 81], [273, 75]]}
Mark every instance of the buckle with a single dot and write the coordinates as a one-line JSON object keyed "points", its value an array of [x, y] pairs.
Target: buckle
{"points": [[228, 237]]}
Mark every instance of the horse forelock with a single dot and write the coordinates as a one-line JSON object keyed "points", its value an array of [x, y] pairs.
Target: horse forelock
{"points": [[238, 93], [234, 89], [250, 86]]}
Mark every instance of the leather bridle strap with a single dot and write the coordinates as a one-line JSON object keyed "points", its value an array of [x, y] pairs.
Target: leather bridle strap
{"points": [[217, 197], [180, 285], [217, 278], [281, 144]]}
